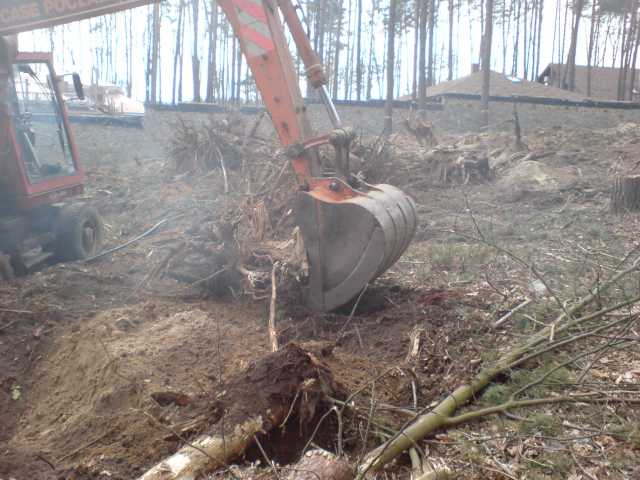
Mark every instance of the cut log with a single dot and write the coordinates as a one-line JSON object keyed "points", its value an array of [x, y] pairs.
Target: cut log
{"points": [[626, 194], [205, 453]]}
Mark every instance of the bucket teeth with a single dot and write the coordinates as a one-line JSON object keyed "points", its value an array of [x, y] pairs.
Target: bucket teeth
{"points": [[351, 242]]}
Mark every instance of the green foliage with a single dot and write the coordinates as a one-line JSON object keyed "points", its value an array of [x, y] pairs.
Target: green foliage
{"points": [[449, 256], [542, 423], [523, 377], [597, 232], [496, 394], [556, 464], [489, 356]]}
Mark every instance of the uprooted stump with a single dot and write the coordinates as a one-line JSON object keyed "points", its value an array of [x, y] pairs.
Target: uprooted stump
{"points": [[625, 195], [289, 384]]}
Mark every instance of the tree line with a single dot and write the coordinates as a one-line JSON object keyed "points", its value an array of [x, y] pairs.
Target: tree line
{"points": [[371, 50]]}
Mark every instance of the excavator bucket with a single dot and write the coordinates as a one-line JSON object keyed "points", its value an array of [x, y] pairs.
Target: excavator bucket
{"points": [[352, 241]]}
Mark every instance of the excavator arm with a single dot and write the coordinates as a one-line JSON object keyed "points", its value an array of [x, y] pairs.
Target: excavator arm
{"points": [[353, 232]]}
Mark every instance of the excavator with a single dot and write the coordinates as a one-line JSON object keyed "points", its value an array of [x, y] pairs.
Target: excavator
{"points": [[352, 231]]}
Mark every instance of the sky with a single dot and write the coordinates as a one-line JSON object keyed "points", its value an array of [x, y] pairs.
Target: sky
{"points": [[76, 45]]}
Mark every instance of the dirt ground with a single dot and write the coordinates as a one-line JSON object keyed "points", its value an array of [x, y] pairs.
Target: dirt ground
{"points": [[102, 361]]}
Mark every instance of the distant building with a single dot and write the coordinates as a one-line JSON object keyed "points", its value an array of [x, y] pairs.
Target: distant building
{"points": [[604, 81]]}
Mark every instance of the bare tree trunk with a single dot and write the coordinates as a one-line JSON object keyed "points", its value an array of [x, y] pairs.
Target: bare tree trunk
{"points": [[231, 66], [213, 51], [525, 38], [388, 107], [181, 66], [416, 47], [623, 54], [540, 18], [195, 55], [129, 28], [632, 81], [371, 54], [154, 54], [450, 52], [486, 61], [592, 31], [561, 47], [556, 32], [432, 23], [176, 55], [626, 88], [516, 45], [570, 72], [359, 61], [239, 74], [422, 61], [338, 47], [347, 70]]}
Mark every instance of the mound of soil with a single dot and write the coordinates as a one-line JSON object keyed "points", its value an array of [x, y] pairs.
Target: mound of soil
{"points": [[87, 401]]}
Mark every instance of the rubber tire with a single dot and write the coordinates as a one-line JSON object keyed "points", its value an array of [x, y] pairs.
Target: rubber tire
{"points": [[70, 241]]}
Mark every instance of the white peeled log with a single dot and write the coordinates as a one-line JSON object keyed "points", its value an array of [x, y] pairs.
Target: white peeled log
{"points": [[189, 462]]}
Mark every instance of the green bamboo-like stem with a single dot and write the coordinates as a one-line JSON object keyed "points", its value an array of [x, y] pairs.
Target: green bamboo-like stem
{"points": [[512, 404]]}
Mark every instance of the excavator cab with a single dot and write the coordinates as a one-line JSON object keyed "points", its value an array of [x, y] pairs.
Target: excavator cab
{"points": [[45, 145], [39, 169]]}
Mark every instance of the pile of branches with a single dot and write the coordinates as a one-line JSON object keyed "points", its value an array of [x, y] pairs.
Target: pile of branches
{"points": [[197, 148], [401, 161], [231, 246]]}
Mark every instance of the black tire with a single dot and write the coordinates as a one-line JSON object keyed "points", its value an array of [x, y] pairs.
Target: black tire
{"points": [[80, 233]]}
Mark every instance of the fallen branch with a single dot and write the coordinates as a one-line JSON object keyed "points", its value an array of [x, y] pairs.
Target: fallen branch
{"points": [[223, 168], [10, 310], [429, 421], [513, 404], [83, 447], [273, 334], [5, 327], [207, 451], [506, 317], [149, 232]]}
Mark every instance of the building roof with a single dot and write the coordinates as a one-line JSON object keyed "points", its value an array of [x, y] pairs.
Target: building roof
{"points": [[604, 80], [501, 86]]}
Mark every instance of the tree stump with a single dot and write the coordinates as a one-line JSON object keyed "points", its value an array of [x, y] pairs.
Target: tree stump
{"points": [[626, 194]]}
